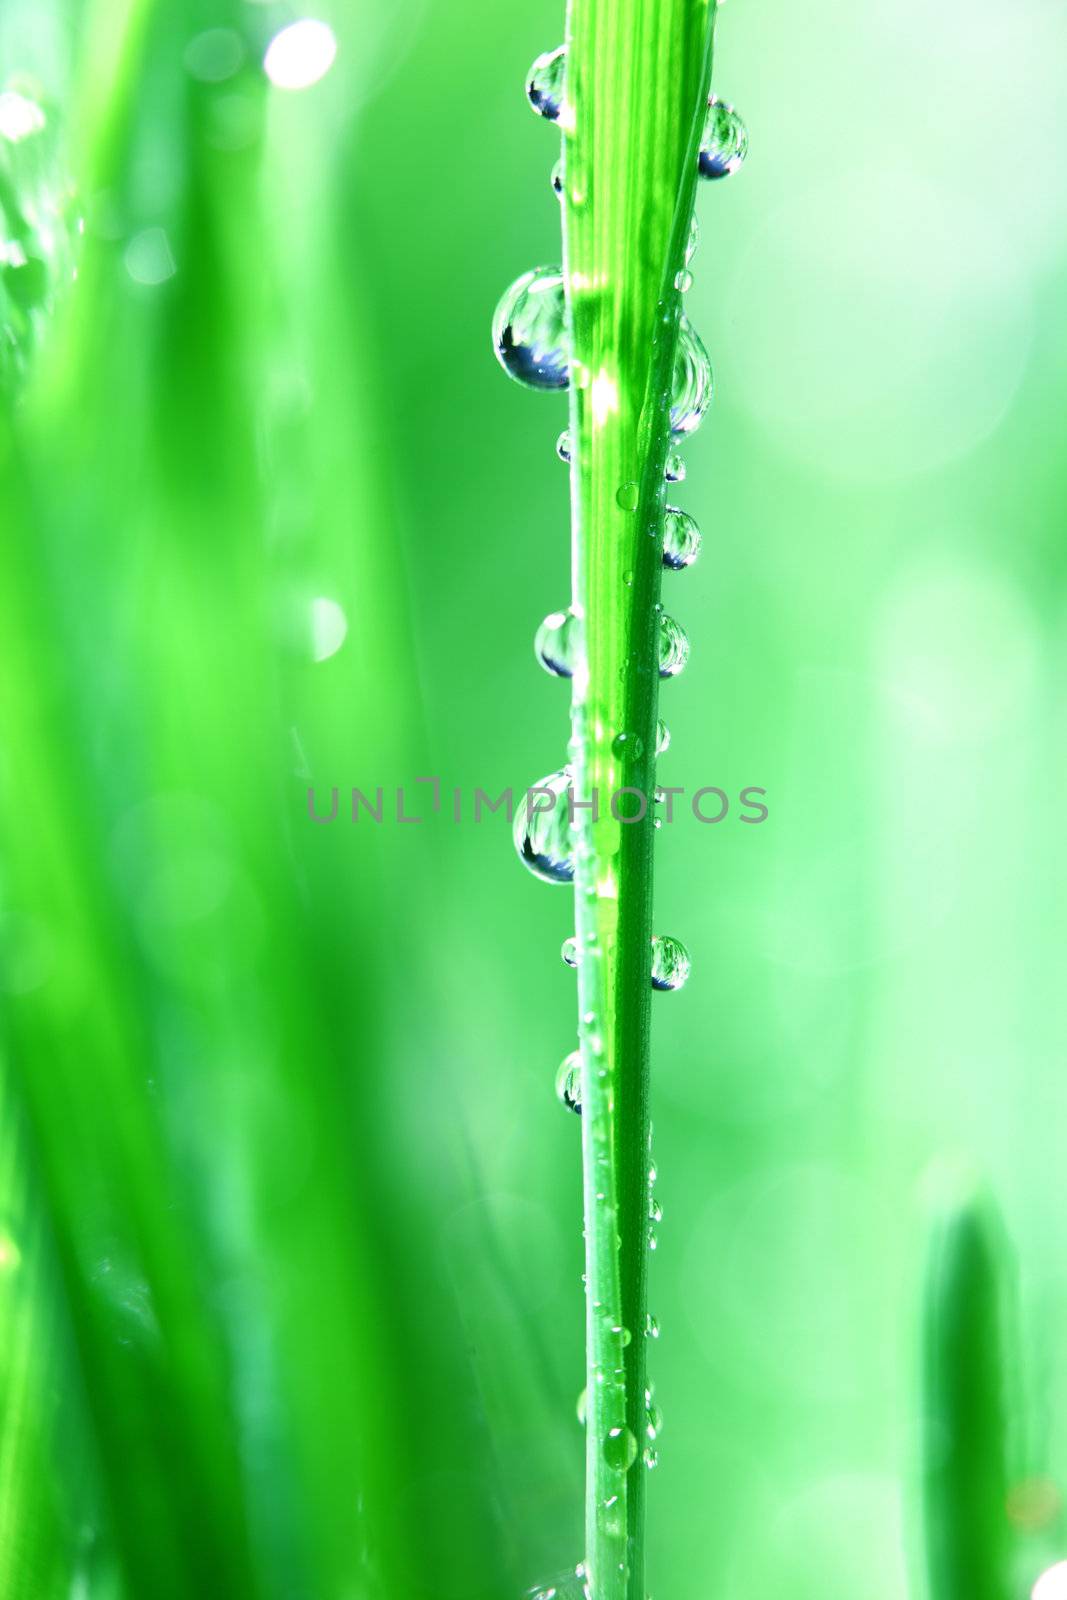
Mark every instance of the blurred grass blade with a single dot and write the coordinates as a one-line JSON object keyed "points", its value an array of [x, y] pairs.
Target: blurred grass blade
{"points": [[964, 1476]]}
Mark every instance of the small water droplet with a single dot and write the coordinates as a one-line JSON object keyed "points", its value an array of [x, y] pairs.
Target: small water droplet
{"points": [[569, 1081], [724, 142], [620, 1449], [651, 1327], [583, 1405], [555, 643], [683, 281], [569, 951], [544, 83], [557, 178], [674, 470], [563, 446], [653, 1240], [628, 578], [529, 330], [673, 647], [650, 1456], [692, 241], [568, 1585], [628, 746], [670, 962], [693, 384], [542, 830], [663, 737], [681, 539], [655, 1211], [629, 496]]}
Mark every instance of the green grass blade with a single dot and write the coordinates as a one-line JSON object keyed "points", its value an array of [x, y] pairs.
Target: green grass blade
{"points": [[964, 1472], [637, 80]]}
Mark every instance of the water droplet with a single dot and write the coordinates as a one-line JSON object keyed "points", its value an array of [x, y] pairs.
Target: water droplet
{"points": [[670, 962], [650, 1456], [663, 737], [583, 1405], [542, 830], [620, 1449], [557, 178], [555, 642], [674, 469], [692, 241], [681, 539], [529, 330], [724, 142], [673, 647], [544, 83], [653, 1240], [569, 1082], [655, 1211], [563, 446], [568, 1585], [693, 385], [628, 746], [629, 496], [628, 578], [653, 1416], [569, 951], [300, 54], [651, 1327], [683, 281]]}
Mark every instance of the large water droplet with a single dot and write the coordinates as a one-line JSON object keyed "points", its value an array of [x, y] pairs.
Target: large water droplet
{"points": [[673, 647], [724, 142], [569, 1081], [670, 962], [620, 1449], [555, 643], [529, 330], [542, 829], [628, 496], [544, 83], [628, 746], [693, 385], [681, 539]]}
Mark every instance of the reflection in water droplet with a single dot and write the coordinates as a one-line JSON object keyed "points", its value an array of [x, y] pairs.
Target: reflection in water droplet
{"points": [[555, 643], [300, 54], [628, 496], [673, 647], [670, 962], [529, 330], [620, 1449], [569, 1081], [674, 470], [681, 539], [692, 389], [544, 83], [628, 746], [724, 142], [663, 737], [569, 951], [563, 446], [542, 830]]}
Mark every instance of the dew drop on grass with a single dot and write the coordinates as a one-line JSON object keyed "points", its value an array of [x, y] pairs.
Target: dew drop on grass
{"points": [[544, 83], [651, 1327], [628, 746], [650, 1456], [529, 330], [653, 1417], [568, 1585], [693, 386], [569, 951], [628, 496], [569, 1082], [554, 643], [670, 962], [556, 179], [724, 142], [673, 647], [563, 446], [674, 468], [663, 737], [582, 1406], [620, 1449], [683, 281], [692, 241], [542, 830], [681, 539]]}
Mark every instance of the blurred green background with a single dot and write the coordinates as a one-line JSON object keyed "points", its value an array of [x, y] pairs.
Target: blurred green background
{"points": [[290, 1247]]}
